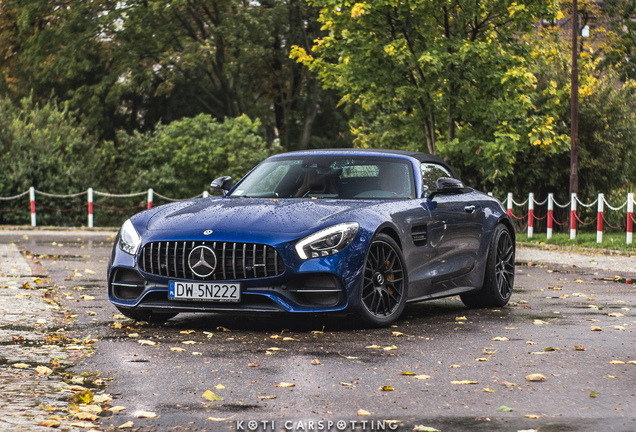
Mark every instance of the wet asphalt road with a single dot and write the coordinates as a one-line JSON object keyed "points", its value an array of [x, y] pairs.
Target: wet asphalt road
{"points": [[441, 366]]}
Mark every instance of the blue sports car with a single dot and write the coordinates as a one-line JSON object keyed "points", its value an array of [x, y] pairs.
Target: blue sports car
{"points": [[324, 231]]}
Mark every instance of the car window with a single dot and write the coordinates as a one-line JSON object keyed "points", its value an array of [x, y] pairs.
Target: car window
{"points": [[430, 173], [330, 177]]}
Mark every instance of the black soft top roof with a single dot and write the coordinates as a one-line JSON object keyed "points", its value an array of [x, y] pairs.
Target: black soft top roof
{"points": [[422, 157]]}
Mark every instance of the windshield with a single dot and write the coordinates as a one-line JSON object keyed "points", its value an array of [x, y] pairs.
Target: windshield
{"points": [[329, 177]]}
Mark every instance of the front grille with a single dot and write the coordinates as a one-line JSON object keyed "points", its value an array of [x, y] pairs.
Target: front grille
{"points": [[234, 260]]}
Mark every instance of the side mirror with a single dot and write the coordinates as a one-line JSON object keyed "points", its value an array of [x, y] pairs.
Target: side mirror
{"points": [[448, 186], [221, 184]]}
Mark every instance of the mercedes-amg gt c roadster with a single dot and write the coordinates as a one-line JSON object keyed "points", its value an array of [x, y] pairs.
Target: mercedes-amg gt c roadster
{"points": [[350, 232]]}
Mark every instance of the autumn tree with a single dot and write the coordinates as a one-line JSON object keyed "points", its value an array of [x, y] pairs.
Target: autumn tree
{"points": [[447, 77]]}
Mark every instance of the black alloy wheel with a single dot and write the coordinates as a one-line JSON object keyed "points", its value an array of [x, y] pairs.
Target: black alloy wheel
{"points": [[500, 272], [384, 282]]}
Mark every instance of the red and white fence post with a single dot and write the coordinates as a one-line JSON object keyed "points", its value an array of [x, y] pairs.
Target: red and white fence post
{"points": [[32, 199], [630, 214], [530, 215], [90, 207], [550, 216], [150, 197], [599, 222], [573, 217], [509, 204]]}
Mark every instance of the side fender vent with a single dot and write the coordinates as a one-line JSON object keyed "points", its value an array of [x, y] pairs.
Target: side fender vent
{"points": [[420, 234]]}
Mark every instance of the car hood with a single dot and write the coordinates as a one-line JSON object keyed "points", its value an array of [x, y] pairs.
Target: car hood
{"points": [[252, 215]]}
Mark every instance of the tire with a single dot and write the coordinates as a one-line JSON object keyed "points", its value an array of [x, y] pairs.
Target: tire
{"points": [[384, 283], [500, 272], [148, 316]]}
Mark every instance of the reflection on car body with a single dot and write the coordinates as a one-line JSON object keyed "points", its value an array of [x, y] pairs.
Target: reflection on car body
{"points": [[325, 231]]}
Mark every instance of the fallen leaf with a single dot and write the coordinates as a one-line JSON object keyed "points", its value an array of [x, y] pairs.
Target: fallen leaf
{"points": [[397, 334], [362, 412], [43, 370], [617, 362], [89, 271], [316, 362], [387, 388], [127, 425], [147, 342], [187, 332], [346, 384], [616, 314], [211, 396], [422, 377], [373, 347], [422, 428], [487, 390], [179, 349], [117, 408], [579, 347], [268, 397], [481, 359], [285, 384], [144, 414], [504, 408], [252, 365], [593, 394], [536, 377], [87, 297], [188, 342], [461, 318], [86, 416], [50, 423], [464, 382], [595, 328], [85, 425], [219, 386], [223, 329], [532, 416], [220, 419], [500, 339], [407, 373], [539, 322], [21, 365]]}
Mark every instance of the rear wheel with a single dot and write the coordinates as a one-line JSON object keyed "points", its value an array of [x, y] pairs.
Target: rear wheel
{"points": [[500, 272], [148, 316], [384, 283]]}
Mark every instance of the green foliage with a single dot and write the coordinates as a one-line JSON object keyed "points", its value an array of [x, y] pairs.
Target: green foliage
{"points": [[44, 147], [180, 159], [448, 78]]}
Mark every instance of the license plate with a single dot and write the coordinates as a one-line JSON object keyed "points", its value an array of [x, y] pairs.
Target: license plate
{"points": [[205, 291]]}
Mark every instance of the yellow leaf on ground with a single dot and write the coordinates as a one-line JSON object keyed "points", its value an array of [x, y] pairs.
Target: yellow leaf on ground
{"points": [[500, 339], [147, 342], [464, 382], [316, 362], [188, 342], [387, 388], [285, 384], [219, 386], [595, 328], [178, 349], [422, 377], [144, 414], [362, 412], [617, 362], [268, 397], [21, 365], [117, 408], [536, 377], [209, 395], [127, 425], [43, 370], [50, 423]]}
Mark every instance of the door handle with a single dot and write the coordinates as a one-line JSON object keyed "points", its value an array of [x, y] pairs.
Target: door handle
{"points": [[470, 209]]}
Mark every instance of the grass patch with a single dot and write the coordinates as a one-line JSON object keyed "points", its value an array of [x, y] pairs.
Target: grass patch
{"points": [[613, 241]]}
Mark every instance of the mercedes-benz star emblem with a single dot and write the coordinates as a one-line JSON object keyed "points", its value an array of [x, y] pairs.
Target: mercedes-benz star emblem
{"points": [[202, 261]]}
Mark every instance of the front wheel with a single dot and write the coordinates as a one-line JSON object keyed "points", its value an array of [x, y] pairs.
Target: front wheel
{"points": [[500, 272], [384, 283]]}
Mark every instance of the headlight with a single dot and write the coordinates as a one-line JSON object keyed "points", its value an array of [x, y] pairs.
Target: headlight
{"points": [[328, 241], [129, 239]]}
